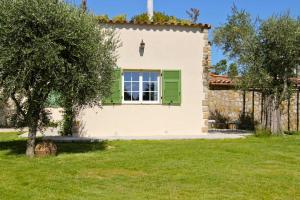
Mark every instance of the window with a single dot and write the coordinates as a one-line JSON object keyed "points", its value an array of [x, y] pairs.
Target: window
{"points": [[141, 87]]}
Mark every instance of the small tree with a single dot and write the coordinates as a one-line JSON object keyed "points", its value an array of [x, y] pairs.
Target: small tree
{"points": [[48, 46], [268, 52], [221, 67], [194, 14]]}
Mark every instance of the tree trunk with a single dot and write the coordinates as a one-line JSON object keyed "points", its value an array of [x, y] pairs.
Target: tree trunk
{"points": [[31, 141], [84, 5], [266, 112], [276, 117], [69, 117]]}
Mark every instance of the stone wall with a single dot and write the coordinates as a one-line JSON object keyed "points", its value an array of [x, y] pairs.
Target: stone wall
{"points": [[227, 104], [206, 62]]}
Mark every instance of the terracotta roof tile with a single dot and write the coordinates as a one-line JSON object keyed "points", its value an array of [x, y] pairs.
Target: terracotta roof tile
{"points": [[200, 25], [223, 80], [217, 80]]}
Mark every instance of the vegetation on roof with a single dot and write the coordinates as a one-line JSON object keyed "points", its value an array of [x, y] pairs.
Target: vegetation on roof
{"points": [[158, 17]]}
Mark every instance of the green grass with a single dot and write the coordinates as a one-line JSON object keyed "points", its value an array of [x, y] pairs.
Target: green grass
{"points": [[252, 168]]}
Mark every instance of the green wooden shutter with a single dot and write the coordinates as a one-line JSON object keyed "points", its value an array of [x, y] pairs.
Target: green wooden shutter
{"points": [[116, 89], [171, 87]]}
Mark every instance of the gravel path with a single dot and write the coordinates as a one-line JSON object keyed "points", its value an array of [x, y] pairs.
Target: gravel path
{"points": [[52, 134], [209, 136]]}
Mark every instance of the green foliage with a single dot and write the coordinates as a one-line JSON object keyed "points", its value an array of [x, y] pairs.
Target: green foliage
{"points": [[221, 67], [50, 46], [159, 17], [54, 100], [120, 18], [236, 36], [141, 18], [232, 70], [267, 51], [103, 18], [68, 118]]}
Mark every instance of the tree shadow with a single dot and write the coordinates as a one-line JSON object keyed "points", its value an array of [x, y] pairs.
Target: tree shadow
{"points": [[18, 147], [246, 122]]}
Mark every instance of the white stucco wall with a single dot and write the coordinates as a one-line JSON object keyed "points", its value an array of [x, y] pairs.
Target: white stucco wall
{"points": [[166, 48]]}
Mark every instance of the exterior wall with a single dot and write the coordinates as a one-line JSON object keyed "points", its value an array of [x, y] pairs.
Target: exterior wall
{"points": [[229, 104], [166, 48]]}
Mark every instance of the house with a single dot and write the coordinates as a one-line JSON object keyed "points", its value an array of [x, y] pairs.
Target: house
{"points": [[160, 86]]}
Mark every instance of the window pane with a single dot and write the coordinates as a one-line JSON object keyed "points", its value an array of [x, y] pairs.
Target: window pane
{"points": [[127, 96], [135, 76], [145, 86], [153, 76], [153, 87], [132, 86], [146, 96], [145, 76], [135, 86], [127, 76], [135, 96], [154, 96], [127, 86]]}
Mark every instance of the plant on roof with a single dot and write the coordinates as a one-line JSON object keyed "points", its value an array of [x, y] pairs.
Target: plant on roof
{"points": [[193, 14], [103, 18], [159, 17], [120, 18]]}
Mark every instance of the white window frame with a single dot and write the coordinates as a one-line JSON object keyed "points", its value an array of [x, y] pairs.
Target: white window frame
{"points": [[141, 101]]}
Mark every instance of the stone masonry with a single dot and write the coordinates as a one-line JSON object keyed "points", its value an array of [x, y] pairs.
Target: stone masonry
{"points": [[206, 62], [228, 103]]}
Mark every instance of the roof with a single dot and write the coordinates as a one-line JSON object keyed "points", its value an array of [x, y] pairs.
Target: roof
{"points": [[224, 80], [220, 80], [182, 24]]}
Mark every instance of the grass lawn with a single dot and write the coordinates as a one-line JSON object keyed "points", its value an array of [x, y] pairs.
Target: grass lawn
{"points": [[252, 168]]}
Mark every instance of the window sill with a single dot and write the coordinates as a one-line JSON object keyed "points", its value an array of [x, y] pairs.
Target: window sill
{"points": [[139, 103]]}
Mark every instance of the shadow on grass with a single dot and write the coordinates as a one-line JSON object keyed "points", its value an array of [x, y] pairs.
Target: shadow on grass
{"points": [[18, 147]]}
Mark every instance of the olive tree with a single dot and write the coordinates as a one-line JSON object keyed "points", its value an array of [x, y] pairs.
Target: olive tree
{"points": [[267, 52], [51, 46]]}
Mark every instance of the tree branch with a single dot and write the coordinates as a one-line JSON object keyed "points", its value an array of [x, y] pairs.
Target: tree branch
{"points": [[18, 105]]}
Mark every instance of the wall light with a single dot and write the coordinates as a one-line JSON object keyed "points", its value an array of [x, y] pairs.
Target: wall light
{"points": [[142, 48], [142, 45]]}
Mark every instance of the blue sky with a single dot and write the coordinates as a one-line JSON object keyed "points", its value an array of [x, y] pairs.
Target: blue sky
{"points": [[213, 12]]}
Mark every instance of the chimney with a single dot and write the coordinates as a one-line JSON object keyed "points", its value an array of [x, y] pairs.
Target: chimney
{"points": [[150, 9]]}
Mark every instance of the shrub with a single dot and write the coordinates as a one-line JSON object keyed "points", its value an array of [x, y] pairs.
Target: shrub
{"points": [[142, 18], [120, 18], [103, 18], [260, 132], [246, 122], [159, 17]]}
